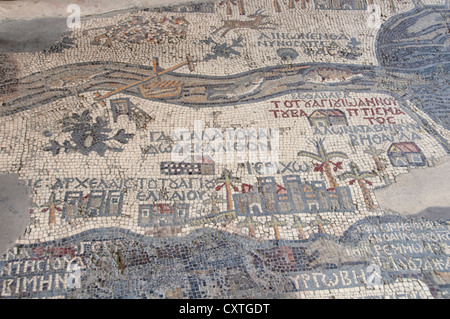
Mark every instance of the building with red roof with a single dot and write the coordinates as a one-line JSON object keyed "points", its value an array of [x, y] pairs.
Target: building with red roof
{"points": [[327, 118], [405, 154]]}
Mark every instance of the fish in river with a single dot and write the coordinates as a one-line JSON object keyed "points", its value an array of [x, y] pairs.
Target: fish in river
{"points": [[329, 75], [247, 86]]}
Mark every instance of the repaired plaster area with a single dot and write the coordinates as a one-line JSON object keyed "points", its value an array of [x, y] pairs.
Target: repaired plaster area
{"points": [[420, 192], [14, 210]]}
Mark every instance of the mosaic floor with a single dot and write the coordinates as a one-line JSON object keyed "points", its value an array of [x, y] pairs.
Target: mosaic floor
{"points": [[229, 149]]}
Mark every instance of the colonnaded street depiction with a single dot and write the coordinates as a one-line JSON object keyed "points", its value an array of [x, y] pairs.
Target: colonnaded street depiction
{"points": [[229, 149]]}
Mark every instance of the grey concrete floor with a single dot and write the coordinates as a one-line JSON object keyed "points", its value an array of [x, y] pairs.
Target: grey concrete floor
{"points": [[27, 26], [14, 210], [30, 35], [421, 192], [32, 9]]}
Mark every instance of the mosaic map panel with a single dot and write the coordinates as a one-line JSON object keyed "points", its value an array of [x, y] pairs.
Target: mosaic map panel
{"points": [[229, 149]]}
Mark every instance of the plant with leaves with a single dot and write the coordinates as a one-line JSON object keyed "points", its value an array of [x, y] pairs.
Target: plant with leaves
{"points": [[352, 51], [299, 225], [324, 158], [275, 223], [88, 136], [291, 4], [376, 153], [362, 179], [214, 199], [227, 179], [277, 6], [223, 50], [238, 3], [250, 224], [319, 222], [52, 206]]}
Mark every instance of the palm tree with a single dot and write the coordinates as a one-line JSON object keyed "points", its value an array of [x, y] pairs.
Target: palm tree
{"points": [[241, 7], [325, 160], [275, 223], [250, 224], [52, 206], [319, 222], [291, 4], [228, 7], [361, 178], [227, 179], [375, 153], [277, 6], [299, 224], [239, 3], [303, 3]]}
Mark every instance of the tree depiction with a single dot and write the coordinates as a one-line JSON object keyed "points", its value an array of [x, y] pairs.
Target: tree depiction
{"points": [[240, 4], [375, 153], [88, 136], [227, 179], [250, 224], [361, 178], [299, 225], [214, 200], [324, 160], [52, 206], [319, 222], [275, 223]]}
